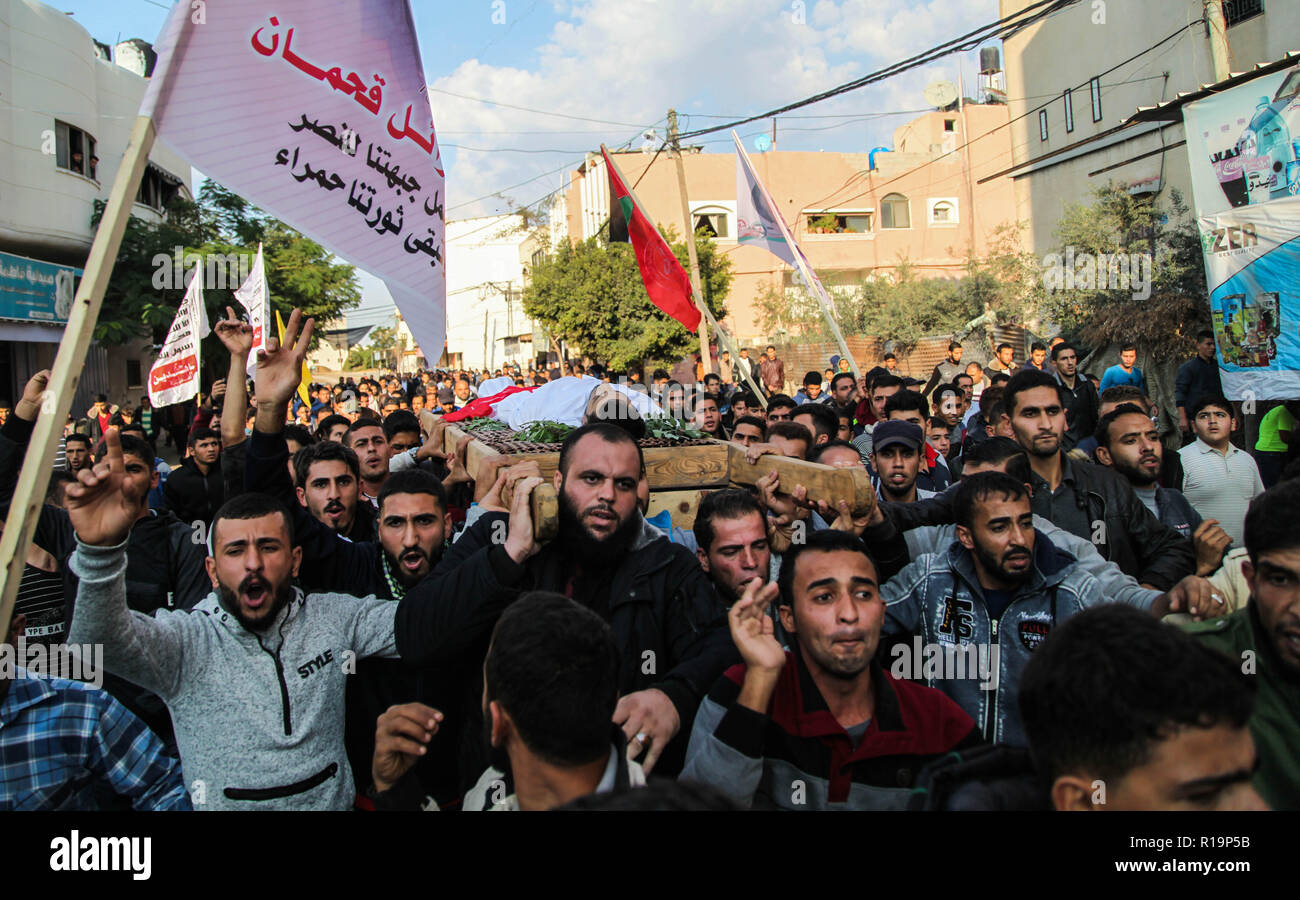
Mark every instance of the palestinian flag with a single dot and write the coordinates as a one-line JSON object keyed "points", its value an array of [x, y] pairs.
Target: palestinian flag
{"points": [[665, 280]]}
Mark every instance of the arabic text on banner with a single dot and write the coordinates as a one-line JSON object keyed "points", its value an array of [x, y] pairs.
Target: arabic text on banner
{"points": [[335, 136], [174, 378]]}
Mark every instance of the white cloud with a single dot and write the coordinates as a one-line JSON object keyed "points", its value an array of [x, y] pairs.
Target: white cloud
{"points": [[627, 61]]}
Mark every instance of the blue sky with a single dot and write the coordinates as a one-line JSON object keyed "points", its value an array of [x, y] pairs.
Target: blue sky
{"points": [[522, 89]]}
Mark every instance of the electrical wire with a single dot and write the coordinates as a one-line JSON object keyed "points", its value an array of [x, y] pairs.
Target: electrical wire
{"points": [[540, 112], [1177, 34], [1001, 29]]}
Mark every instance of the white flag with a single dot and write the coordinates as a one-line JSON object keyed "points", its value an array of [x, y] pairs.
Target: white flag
{"points": [[175, 376], [318, 113], [759, 222], [254, 296]]}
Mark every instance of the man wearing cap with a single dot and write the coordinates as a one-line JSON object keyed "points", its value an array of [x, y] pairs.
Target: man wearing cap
{"points": [[896, 460]]}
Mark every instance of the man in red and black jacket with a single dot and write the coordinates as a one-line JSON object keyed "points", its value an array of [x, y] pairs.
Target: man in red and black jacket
{"points": [[820, 725]]}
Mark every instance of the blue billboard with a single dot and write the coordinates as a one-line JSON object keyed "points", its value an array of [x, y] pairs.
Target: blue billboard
{"points": [[36, 291]]}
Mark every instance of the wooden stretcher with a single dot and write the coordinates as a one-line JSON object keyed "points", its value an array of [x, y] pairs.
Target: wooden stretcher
{"points": [[681, 476]]}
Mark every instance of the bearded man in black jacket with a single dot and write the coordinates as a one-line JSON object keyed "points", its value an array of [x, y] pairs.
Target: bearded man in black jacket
{"points": [[667, 620]]}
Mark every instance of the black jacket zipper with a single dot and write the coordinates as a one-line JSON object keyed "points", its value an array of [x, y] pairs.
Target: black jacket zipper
{"points": [[284, 688], [991, 734], [288, 790]]}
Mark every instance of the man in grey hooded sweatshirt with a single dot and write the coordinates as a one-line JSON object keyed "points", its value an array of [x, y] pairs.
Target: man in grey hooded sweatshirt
{"points": [[254, 674]]}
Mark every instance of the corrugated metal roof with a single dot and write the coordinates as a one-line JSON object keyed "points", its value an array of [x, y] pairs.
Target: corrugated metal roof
{"points": [[1171, 110]]}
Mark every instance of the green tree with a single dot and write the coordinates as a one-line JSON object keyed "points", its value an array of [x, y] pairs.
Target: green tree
{"points": [[143, 294], [383, 341], [591, 295], [1163, 316], [902, 307]]}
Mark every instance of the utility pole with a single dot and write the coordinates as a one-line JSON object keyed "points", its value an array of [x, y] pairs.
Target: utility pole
{"points": [[1219, 50], [705, 356]]}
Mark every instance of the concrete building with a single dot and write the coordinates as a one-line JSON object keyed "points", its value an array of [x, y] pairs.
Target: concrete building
{"points": [[66, 111], [1075, 79], [337, 338], [856, 215], [487, 262]]}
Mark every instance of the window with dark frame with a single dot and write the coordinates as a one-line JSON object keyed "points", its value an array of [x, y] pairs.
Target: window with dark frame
{"points": [[156, 190], [133, 379], [1042, 124], [714, 222], [1094, 89], [1235, 11], [74, 150], [1069, 111]]}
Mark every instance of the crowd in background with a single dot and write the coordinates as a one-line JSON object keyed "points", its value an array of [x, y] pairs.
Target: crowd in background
{"points": [[320, 608]]}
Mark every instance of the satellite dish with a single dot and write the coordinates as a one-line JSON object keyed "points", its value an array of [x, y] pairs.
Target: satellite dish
{"points": [[763, 143], [941, 94]]}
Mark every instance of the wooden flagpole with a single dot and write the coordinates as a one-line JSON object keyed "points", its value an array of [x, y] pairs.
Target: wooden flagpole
{"points": [[705, 356], [723, 339], [29, 494], [69, 362]]}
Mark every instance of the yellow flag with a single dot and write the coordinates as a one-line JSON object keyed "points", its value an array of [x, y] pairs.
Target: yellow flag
{"points": [[303, 393]]}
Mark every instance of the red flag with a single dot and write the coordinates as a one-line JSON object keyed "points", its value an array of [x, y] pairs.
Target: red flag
{"points": [[665, 280], [483, 405]]}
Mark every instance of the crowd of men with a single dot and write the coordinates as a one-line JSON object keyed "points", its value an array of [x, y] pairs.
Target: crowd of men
{"points": [[319, 608]]}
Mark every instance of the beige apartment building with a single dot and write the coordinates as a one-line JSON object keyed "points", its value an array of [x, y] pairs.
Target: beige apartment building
{"points": [[856, 215], [1076, 80]]}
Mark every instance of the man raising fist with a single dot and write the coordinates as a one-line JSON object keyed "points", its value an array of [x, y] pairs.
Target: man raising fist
{"points": [[255, 684]]}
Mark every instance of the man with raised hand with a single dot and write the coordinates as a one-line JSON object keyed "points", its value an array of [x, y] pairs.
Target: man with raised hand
{"points": [[254, 675], [413, 526], [820, 725], [164, 568], [550, 682]]}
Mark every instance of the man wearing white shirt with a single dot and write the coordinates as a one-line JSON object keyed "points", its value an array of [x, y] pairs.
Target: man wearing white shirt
{"points": [[1219, 480]]}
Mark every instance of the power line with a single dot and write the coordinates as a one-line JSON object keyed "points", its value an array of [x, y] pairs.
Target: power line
{"points": [[540, 112], [510, 188], [1002, 28], [858, 177], [567, 165], [507, 149]]}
